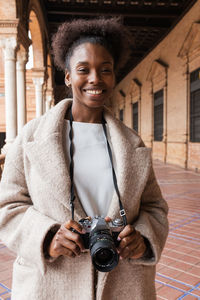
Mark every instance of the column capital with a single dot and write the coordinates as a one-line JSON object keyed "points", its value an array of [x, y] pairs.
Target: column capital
{"points": [[22, 56], [38, 75], [9, 44], [38, 81]]}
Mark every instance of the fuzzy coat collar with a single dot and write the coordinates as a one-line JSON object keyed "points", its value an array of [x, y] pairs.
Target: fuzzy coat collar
{"points": [[45, 150]]}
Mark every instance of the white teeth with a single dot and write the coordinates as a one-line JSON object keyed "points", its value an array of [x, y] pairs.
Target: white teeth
{"points": [[94, 92]]}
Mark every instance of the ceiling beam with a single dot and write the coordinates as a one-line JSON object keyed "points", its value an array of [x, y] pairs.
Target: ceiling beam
{"points": [[145, 27], [148, 15]]}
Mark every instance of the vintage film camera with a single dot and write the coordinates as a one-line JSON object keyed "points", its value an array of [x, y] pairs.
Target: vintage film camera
{"points": [[101, 239]]}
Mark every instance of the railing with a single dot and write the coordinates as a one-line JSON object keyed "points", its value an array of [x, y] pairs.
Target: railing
{"points": [[2, 160]]}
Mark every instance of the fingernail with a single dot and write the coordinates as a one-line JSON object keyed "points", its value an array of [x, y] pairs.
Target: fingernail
{"points": [[118, 238], [120, 257]]}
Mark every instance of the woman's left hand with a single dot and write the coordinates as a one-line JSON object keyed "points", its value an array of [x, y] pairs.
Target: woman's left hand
{"points": [[132, 243]]}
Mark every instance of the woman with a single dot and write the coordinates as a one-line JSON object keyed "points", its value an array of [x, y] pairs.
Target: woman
{"points": [[41, 174]]}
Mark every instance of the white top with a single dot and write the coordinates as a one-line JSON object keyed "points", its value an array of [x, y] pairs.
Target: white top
{"points": [[92, 167]]}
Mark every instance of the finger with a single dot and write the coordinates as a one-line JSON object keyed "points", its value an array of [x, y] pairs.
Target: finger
{"points": [[73, 224], [74, 237], [134, 238], [128, 229], [139, 252], [108, 219], [67, 252], [72, 247], [56, 248], [133, 251]]}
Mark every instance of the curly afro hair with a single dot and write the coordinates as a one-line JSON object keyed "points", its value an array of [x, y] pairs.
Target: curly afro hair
{"points": [[110, 33]]}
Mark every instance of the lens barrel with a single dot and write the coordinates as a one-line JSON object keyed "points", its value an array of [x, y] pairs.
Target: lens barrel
{"points": [[103, 251]]}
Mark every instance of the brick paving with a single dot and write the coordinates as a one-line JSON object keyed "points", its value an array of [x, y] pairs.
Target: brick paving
{"points": [[178, 272]]}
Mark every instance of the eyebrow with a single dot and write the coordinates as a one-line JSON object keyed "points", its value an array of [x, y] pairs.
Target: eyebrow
{"points": [[86, 63]]}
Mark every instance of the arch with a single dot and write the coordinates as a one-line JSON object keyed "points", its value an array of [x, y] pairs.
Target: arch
{"points": [[37, 26], [36, 36]]}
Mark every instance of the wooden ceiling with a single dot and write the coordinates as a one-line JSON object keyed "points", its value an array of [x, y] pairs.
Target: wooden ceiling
{"points": [[148, 20]]}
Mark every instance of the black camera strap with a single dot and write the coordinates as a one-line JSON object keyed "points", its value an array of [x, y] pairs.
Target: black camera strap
{"points": [[72, 198]]}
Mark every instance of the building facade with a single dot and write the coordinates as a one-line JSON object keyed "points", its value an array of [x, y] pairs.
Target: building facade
{"points": [[160, 97]]}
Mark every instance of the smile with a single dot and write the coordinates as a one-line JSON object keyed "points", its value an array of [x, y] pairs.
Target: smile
{"points": [[94, 92]]}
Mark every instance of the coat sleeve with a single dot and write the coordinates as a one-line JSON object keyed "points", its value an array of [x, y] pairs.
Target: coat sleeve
{"points": [[22, 227], [152, 222]]}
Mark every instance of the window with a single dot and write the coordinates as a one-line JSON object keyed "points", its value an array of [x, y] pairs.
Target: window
{"points": [[195, 106], [135, 116], [158, 116], [121, 115], [2, 139]]}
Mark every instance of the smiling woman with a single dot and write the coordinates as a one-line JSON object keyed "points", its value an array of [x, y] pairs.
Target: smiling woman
{"points": [[90, 54], [77, 179], [92, 79]]}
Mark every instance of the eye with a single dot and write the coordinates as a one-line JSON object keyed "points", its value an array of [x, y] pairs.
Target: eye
{"points": [[106, 70], [82, 70]]}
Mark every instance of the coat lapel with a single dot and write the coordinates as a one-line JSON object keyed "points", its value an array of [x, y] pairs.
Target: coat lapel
{"points": [[46, 154], [132, 167]]}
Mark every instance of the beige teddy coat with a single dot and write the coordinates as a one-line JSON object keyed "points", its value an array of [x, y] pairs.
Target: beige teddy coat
{"points": [[34, 196]]}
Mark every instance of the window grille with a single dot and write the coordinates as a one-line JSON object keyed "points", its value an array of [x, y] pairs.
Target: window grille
{"points": [[121, 115], [158, 116], [195, 106], [135, 116]]}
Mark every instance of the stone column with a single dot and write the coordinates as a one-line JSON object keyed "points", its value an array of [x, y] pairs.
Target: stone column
{"points": [[9, 45], [21, 89], [38, 82]]}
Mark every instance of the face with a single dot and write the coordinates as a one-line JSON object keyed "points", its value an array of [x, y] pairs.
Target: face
{"points": [[91, 75]]}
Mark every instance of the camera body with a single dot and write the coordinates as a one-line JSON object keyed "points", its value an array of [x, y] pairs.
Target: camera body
{"points": [[101, 239]]}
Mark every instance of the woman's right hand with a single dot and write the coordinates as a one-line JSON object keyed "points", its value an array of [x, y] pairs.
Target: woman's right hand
{"points": [[66, 242]]}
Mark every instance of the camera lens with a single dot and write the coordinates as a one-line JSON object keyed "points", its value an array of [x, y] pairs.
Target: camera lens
{"points": [[103, 251], [104, 256]]}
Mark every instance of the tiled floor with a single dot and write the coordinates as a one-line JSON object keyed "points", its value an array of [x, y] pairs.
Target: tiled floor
{"points": [[178, 272]]}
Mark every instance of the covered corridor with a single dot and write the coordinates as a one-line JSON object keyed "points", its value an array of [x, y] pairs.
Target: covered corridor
{"points": [[158, 96], [178, 272]]}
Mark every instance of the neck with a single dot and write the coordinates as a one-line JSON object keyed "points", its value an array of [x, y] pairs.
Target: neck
{"points": [[87, 115]]}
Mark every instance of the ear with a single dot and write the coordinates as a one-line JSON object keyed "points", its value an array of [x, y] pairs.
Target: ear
{"points": [[67, 78]]}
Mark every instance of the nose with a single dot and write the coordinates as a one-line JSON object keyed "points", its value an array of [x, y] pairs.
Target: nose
{"points": [[94, 77]]}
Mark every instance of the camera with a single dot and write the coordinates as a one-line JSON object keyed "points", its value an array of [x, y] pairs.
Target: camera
{"points": [[101, 239]]}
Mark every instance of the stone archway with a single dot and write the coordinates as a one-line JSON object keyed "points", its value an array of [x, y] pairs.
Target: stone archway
{"points": [[37, 76]]}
